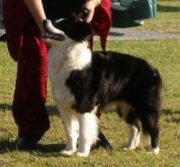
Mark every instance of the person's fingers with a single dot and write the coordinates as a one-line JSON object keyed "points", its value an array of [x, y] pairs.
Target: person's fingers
{"points": [[78, 17]]}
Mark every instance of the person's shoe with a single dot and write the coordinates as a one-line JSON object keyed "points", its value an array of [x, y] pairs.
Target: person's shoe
{"points": [[3, 36], [139, 22], [28, 143], [103, 142]]}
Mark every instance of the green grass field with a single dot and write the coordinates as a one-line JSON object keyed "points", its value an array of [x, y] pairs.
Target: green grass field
{"points": [[164, 54]]}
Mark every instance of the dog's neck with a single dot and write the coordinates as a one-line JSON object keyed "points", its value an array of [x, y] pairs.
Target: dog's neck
{"points": [[73, 55], [79, 55], [65, 58]]}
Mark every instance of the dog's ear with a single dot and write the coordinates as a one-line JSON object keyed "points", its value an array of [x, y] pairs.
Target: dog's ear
{"points": [[63, 25], [81, 30]]}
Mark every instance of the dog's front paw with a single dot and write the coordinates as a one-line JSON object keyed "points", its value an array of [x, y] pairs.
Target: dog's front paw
{"points": [[80, 154], [67, 152]]}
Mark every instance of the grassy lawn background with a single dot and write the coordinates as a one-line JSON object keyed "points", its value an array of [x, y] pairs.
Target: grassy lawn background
{"points": [[164, 54]]}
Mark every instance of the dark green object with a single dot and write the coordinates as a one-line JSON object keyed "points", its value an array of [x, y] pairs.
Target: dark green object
{"points": [[126, 3], [135, 10]]}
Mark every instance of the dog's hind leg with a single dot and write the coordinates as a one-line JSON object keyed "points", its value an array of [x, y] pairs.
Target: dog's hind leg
{"points": [[150, 125], [154, 134], [88, 132], [71, 126], [129, 115], [134, 138], [134, 130]]}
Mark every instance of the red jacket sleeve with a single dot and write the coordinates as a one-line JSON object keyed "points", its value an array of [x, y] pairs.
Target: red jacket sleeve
{"points": [[102, 21]]}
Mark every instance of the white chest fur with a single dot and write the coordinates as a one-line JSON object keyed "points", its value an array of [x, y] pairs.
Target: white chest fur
{"points": [[62, 60]]}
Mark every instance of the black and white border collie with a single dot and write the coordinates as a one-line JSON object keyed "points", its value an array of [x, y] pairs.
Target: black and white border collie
{"points": [[84, 82]]}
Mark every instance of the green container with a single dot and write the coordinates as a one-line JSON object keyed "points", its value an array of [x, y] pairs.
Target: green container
{"points": [[136, 10], [126, 3], [144, 9]]}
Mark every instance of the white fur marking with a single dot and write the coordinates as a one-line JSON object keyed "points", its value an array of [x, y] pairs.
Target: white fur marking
{"points": [[134, 138], [88, 132], [71, 127], [154, 150]]}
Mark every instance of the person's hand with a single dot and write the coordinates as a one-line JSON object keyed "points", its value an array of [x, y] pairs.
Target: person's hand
{"points": [[43, 32], [37, 11], [90, 6]]}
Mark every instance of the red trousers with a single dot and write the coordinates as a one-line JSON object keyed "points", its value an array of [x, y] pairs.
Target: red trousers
{"points": [[30, 94], [27, 48]]}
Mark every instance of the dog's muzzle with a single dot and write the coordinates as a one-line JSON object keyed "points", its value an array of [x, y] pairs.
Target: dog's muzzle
{"points": [[51, 31]]}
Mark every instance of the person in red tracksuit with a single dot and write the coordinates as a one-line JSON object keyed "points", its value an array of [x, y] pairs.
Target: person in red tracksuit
{"points": [[22, 20]]}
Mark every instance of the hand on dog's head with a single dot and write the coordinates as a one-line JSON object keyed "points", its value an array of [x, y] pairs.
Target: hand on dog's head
{"points": [[75, 30]]}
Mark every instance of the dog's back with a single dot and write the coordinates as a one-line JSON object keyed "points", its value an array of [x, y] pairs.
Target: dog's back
{"points": [[114, 76]]}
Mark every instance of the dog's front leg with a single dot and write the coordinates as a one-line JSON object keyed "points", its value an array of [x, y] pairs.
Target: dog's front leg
{"points": [[71, 126], [88, 124]]}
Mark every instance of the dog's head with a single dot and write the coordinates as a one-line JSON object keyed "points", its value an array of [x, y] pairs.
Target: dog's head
{"points": [[64, 30]]}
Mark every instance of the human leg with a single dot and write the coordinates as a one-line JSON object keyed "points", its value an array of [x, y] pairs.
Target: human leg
{"points": [[30, 92]]}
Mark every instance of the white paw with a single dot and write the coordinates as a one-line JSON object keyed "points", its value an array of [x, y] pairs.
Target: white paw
{"points": [[154, 150], [128, 148], [80, 154], [67, 152]]}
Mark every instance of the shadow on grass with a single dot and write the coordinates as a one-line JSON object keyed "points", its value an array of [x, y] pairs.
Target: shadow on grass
{"points": [[4, 107], [168, 8], [175, 120], [52, 110], [170, 112], [116, 33], [7, 146], [50, 148], [173, 115]]}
